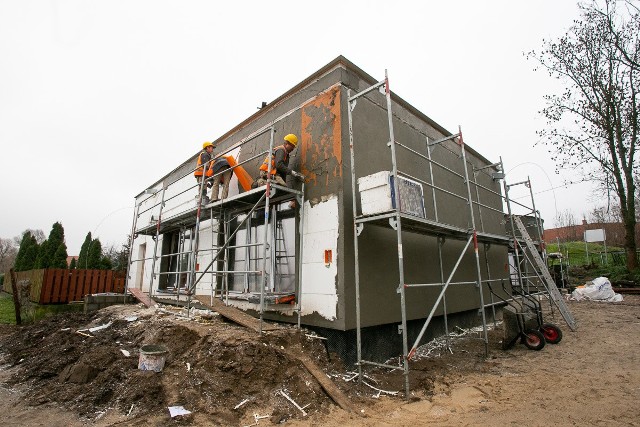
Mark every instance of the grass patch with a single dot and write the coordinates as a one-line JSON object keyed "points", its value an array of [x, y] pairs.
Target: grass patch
{"points": [[593, 254], [7, 310], [579, 248], [33, 312]]}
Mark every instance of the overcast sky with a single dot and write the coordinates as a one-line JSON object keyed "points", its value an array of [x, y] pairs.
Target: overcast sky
{"points": [[99, 99]]}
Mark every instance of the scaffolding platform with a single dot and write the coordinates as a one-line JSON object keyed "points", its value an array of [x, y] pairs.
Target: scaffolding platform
{"points": [[426, 226], [237, 203]]}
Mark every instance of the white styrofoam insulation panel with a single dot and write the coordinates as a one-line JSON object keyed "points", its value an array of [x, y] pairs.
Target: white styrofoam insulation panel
{"points": [[376, 194], [319, 292]]}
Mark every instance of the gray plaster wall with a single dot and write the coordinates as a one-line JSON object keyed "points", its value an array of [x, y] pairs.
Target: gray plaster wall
{"points": [[378, 252]]}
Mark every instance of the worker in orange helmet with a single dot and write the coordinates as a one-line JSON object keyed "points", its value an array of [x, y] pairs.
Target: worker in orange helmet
{"points": [[279, 167], [203, 168]]}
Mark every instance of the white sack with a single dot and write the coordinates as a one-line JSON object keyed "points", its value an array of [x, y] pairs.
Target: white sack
{"points": [[597, 290]]}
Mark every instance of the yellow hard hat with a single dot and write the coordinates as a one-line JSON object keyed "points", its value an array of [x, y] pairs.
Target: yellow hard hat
{"points": [[206, 144], [292, 139]]}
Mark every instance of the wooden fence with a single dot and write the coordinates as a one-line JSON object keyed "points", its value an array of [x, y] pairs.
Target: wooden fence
{"points": [[59, 286]]}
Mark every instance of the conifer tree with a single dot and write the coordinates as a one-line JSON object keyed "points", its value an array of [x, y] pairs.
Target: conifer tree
{"points": [[59, 259], [94, 254], [53, 252], [27, 253], [42, 260], [84, 250], [72, 264]]}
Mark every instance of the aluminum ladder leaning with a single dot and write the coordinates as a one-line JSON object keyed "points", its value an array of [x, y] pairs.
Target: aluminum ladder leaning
{"points": [[554, 293]]}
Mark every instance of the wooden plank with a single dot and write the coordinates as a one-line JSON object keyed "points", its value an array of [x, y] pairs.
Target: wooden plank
{"points": [[61, 281], [86, 284], [118, 284], [73, 284], [327, 385], [630, 291], [37, 280], [100, 285], [55, 285], [104, 280], [47, 285], [82, 278], [107, 284], [234, 314], [64, 290], [94, 281], [142, 297]]}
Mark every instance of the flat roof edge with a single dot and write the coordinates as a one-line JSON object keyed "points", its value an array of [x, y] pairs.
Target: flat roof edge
{"points": [[335, 63]]}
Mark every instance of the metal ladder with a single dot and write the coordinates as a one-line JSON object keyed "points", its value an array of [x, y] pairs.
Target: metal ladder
{"points": [[554, 293]]}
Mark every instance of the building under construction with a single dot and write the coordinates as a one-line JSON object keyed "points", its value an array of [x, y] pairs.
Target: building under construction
{"points": [[390, 240]]}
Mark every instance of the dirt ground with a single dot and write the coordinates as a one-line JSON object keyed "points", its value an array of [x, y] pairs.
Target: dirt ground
{"points": [[57, 373]]}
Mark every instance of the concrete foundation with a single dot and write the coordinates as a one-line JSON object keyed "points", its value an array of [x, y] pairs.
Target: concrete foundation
{"points": [[98, 301]]}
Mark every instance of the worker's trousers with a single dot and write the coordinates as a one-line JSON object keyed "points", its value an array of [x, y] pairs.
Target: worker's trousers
{"points": [[225, 177]]}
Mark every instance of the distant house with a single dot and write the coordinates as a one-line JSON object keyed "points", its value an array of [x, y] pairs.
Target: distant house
{"points": [[69, 258]]}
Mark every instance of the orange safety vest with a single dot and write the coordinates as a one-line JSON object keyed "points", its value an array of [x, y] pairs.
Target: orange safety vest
{"points": [[265, 164], [198, 171]]}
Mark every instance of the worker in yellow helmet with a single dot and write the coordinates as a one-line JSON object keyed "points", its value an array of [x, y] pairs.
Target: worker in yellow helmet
{"points": [[279, 167], [203, 169]]}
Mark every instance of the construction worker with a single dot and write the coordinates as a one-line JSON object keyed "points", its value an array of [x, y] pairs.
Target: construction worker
{"points": [[221, 171], [204, 162], [280, 163]]}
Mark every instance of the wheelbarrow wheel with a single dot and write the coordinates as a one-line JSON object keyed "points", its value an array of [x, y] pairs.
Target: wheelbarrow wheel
{"points": [[552, 333], [533, 339]]}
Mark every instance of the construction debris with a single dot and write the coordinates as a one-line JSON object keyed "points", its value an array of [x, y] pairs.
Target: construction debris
{"points": [[239, 405], [438, 345], [176, 411], [231, 372], [101, 327], [286, 396]]}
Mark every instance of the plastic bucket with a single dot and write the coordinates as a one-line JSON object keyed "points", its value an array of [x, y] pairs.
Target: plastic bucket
{"points": [[152, 357]]}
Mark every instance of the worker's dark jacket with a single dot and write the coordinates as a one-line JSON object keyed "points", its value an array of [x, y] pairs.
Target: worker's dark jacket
{"points": [[280, 160], [219, 164]]}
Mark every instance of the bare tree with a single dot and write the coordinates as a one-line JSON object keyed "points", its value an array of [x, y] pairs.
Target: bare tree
{"points": [[593, 126], [567, 221], [608, 218], [38, 234], [605, 214], [8, 252]]}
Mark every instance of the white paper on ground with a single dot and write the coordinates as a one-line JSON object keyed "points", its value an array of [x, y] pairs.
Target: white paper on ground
{"points": [[175, 411]]}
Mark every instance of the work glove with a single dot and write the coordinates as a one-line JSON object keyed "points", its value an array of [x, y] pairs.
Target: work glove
{"points": [[297, 175]]}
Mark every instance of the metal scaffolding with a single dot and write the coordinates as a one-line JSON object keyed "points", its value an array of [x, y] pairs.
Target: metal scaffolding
{"points": [[403, 222], [234, 218]]}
